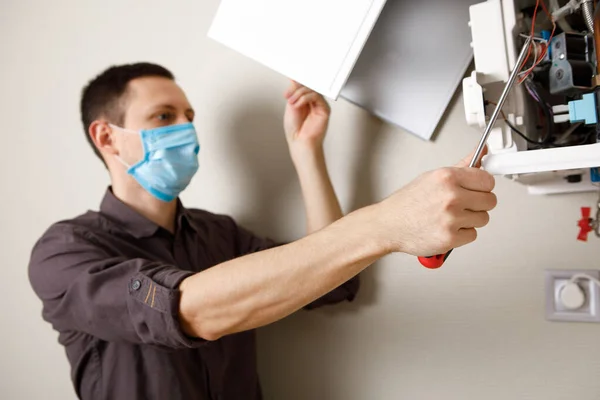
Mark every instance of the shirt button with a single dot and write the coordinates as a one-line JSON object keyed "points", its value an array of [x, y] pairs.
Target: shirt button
{"points": [[136, 285]]}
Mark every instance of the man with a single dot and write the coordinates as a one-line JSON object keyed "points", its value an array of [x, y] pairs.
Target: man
{"points": [[156, 301]]}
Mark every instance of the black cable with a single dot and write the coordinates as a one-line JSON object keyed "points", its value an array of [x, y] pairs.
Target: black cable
{"points": [[518, 132], [513, 128], [545, 143], [585, 140], [548, 115]]}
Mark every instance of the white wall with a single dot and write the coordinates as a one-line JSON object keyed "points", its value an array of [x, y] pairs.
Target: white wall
{"points": [[473, 330]]}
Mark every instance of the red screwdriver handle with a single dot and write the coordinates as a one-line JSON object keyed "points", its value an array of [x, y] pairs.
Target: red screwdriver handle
{"points": [[434, 262]]}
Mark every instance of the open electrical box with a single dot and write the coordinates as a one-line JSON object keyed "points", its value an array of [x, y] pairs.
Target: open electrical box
{"points": [[549, 135]]}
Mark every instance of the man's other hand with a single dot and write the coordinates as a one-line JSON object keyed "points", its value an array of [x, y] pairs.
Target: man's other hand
{"points": [[305, 121]]}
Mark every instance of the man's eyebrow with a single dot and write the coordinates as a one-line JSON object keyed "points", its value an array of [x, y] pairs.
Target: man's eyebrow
{"points": [[162, 106], [170, 107]]}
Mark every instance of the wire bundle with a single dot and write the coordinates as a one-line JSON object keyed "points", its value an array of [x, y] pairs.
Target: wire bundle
{"points": [[545, 43], [531, 88]]}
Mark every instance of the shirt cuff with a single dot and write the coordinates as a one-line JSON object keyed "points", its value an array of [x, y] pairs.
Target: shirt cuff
{"points": [[160, 295]]}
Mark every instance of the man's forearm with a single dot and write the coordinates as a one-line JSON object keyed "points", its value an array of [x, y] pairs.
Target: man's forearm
{"points": [[264, 287], [436, 212], [320, 201]]}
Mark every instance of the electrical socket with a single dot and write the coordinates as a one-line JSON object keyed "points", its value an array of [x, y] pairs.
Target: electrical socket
{"points": [[556, 310]]}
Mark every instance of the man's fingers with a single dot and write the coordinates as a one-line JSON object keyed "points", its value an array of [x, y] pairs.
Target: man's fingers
{"points": [[465, 236], [474, 179], [473, 219], [480, 201], [465, 162], [307, 99], [292, 89], [301, 91]]}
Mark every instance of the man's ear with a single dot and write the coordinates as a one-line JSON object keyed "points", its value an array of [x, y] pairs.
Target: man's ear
{"points": [[102, 137]]}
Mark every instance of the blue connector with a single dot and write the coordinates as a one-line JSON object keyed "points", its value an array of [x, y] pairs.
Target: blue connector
{"points": [[595, 174], [546, 36], [584, 110]]}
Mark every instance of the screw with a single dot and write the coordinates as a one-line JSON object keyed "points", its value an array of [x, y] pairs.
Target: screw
{"points": [[560, 74]]}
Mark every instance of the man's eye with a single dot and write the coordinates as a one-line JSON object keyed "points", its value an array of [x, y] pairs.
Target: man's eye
{"points": [[165, 117]]}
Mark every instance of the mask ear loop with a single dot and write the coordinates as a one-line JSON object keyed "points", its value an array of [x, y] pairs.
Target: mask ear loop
{"points": [[130, 131], [123, 129], [122, 161]]}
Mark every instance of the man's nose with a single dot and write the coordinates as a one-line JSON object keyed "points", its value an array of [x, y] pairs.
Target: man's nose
{"points": [[182, 119]]}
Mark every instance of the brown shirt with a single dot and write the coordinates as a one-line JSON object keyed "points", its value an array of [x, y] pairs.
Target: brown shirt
{"points": [[109, 281]]}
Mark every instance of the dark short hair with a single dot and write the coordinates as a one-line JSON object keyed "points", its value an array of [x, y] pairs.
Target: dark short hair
{"points": [[104, 95]]}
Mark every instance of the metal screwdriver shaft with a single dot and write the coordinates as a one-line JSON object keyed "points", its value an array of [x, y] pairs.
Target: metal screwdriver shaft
{"points": [[437, 261], [511, 81]]}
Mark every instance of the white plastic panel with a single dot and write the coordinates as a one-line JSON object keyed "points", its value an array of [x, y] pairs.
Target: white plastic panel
{"points": [[524, 162], [555, 182], [473, 101], [314, 42], [559, 186], [489, 44]]}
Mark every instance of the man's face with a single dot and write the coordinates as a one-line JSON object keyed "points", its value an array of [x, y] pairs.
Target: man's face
{"points": [[150, 102]]}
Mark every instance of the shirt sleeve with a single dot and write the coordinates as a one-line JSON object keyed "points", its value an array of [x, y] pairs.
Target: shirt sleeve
{"points": [[249, 243], [84, 288]]}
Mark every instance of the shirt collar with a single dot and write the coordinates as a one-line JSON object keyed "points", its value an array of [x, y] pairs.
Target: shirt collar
{"points": [[135, 223], [185, 215]]}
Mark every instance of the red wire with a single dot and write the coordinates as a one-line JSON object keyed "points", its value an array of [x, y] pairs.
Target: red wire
{"points": [[553, 28], [545, 46], [545, 9], [537, 4]]}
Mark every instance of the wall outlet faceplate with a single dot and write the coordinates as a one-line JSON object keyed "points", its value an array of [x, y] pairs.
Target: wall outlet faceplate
{"points": [[557, 311]]}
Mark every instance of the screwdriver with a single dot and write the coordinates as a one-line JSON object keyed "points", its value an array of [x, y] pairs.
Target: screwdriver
{"points": [[434, 262]]}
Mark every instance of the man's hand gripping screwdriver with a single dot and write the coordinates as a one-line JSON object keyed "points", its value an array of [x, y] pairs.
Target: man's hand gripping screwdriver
{"points": [[434, 262]]}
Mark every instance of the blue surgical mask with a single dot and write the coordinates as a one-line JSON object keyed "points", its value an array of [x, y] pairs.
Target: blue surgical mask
{"points": [[170, 159]]}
